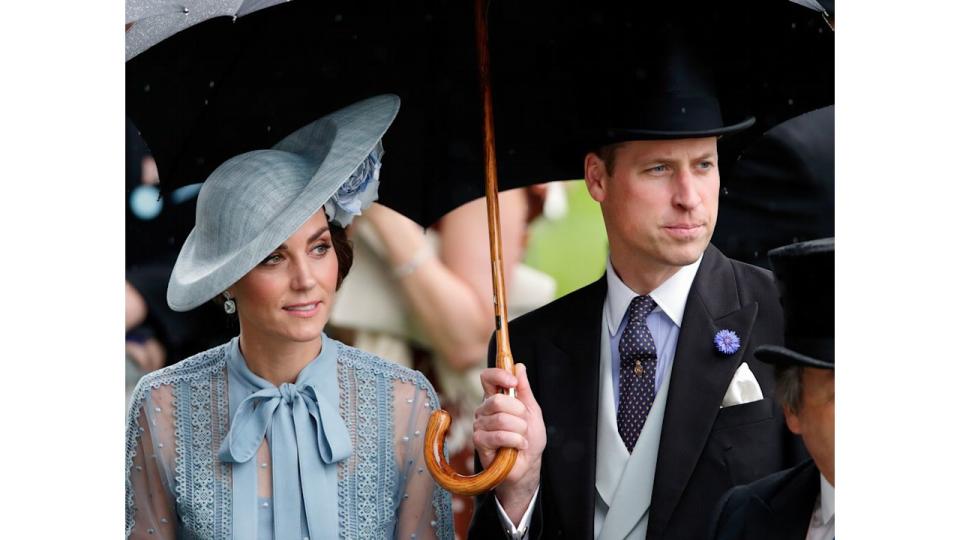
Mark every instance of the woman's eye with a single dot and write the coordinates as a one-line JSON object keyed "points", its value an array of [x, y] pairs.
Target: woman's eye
{"points": [[272, 259], [322, 249]]}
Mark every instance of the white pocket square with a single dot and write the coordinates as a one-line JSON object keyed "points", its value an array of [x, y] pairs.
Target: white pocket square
{"points": [[744, 388]]}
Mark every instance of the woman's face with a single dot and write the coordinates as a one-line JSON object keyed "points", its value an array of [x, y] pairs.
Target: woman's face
{"points": [[288, 296]]}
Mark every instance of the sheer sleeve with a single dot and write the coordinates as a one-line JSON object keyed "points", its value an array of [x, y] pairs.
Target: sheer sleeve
{"points": [[151, 451], [424, 507]]}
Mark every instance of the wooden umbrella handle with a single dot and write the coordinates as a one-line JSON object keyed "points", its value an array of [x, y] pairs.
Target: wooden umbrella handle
{"points": [[439, 423], [445, 475]]}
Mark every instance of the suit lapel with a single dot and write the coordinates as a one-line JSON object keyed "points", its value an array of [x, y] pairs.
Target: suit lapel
{"points": [[793, 504], [569, 376], [700, 378]]}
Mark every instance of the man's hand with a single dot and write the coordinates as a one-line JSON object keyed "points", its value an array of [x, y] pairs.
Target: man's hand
{"points": [[503, 421]]}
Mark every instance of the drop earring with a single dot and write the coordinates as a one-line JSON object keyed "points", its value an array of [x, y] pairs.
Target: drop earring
{"points": [[229, 305]]}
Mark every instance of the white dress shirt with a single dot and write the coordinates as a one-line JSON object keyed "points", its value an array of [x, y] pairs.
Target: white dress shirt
{"points": [[822, 522], [664, 324]]}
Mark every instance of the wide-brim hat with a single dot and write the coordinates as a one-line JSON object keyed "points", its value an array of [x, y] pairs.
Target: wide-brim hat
{"points": [[254, 202], [805, 277], [673, 97]]}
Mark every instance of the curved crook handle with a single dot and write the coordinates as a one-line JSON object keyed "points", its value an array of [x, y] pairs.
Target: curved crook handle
{"points": [[444, 474]]}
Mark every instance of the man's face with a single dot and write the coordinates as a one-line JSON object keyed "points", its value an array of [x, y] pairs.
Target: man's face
{"points": [[814, 421], [659, 202]]}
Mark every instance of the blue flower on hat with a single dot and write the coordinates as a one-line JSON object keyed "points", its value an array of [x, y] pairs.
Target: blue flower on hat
{"points": [[727, 341], [358, 192]]}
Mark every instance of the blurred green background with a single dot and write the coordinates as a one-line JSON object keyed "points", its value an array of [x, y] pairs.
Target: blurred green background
{"points": [[572, 249]]}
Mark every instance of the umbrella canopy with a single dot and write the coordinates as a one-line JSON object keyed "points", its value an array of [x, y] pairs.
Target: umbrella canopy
{"points": [[151, 21], [227, 86]]}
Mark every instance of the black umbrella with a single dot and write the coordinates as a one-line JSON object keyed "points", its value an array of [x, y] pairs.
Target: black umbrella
{"points": [[225, 87], [228, 86]]}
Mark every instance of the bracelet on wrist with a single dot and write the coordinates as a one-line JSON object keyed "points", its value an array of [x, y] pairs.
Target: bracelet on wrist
{"points": [[411, 266]]}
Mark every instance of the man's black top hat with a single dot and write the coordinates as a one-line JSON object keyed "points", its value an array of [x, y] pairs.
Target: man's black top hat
{"points": [[674, 98], [805, 277]]}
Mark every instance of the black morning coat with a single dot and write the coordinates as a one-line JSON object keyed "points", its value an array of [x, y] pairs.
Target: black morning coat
{"points": [[704, 449], [778, 506]]}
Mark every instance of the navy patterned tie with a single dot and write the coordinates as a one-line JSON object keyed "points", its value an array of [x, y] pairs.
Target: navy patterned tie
{"points": [[638, 369]]}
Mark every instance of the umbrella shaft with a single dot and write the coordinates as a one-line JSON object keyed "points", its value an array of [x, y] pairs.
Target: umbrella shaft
{"points": [[490, 173]]}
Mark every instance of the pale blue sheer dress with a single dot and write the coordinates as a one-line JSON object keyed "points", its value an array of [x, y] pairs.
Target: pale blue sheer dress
{"points": [[214, 451]]}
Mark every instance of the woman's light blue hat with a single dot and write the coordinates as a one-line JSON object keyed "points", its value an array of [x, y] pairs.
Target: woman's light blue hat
{"points": [[254, 202]]}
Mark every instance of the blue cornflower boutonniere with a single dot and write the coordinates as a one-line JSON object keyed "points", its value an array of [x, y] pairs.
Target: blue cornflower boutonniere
{"points": [[727, 341]]}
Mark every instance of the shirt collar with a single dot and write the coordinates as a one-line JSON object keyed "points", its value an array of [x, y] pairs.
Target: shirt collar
{"points": [[826, 499], [670, 296]]}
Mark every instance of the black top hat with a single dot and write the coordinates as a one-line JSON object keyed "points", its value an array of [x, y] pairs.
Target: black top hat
{"points": [[804, 273], [674, 98]]}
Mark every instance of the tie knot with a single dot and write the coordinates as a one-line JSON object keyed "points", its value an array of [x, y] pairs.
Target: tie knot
{"points": [[640, 307], [288, 392]]}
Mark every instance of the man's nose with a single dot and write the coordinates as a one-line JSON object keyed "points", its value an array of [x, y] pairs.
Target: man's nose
{"points": [[686, 194]]}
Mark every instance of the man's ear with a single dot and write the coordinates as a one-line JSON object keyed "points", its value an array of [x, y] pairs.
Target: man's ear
{"points": [[793, 421], [596, 177]]}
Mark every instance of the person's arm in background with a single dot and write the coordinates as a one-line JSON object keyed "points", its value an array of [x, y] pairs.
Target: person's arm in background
{"points": [[452, 294]]}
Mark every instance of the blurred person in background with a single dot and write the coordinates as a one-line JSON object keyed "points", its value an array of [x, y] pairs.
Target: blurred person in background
{"points": [[780, 190], [796, 503], [423, 298], [156, 226]]}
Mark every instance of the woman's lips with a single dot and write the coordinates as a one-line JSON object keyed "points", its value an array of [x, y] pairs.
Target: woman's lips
{"points": [[305, 310]]}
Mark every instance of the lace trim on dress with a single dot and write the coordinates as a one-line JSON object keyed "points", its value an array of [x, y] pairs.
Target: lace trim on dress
{"points": [[371, 418], [194, 375]]}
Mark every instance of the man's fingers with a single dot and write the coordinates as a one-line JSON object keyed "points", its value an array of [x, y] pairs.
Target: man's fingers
{"points": [[501, 403], [493, 379], [500, 422], [492, 440]]}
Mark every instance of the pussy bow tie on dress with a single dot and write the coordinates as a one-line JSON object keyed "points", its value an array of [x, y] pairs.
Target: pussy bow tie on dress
{"points": [[307, 438]]}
